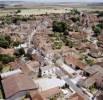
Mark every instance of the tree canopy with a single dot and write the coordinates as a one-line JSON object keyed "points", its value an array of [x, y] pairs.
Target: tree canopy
{"points": [[59, 26]]}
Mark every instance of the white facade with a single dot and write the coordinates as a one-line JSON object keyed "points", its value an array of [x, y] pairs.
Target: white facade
{"points": [[48, 70]]}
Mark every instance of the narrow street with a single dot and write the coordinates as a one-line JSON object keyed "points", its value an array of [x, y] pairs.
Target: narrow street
{"points": [[77, 89]]}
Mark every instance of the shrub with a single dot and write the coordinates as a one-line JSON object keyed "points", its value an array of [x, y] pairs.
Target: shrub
{"points": [[57, 45], [6, 58]]}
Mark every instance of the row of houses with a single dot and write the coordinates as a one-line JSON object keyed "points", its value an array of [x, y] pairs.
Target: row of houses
{"points": [[93, 74]]}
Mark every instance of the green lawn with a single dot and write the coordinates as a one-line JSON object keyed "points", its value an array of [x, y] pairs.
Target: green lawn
{"points": [[6, 68]]}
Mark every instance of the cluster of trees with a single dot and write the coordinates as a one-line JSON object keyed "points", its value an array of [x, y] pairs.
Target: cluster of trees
{"points": [[6, 41], [6, 58], [75, 19], [61, 35], [100, 14], [97, 29], [9, 19], [59, 26], [74, 12]]}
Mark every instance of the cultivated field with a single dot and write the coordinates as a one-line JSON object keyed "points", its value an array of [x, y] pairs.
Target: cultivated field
{"points": [[38, 11]]}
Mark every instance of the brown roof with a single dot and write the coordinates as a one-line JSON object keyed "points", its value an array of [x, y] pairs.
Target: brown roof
{"points": [[7, 51], [99, 82], [100, 37], [14, 65], [100, 64], [74, 61], [78, 35], [36, 95], [17, 83], [83, 46], [92, 79], [76, 96], [33, 64], [93, 18], [51, 92], [100, 96], [19, 64]]}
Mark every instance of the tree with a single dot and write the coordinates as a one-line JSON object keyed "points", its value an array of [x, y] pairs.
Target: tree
{"points": [[75, 19], [5, 41], [100, 25], [19, 52], [97, 30], [74, 12], [8, 38], [40, 72], [59, 26], [18, 11], [4, 44], [100, 14]]}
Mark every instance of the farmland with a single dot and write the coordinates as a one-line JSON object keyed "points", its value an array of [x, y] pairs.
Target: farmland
{"points": [[39, 11]]}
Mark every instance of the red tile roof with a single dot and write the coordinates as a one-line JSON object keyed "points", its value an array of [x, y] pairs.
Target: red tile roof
{"points": [[51, 92], [74, 61], [76, 97]]}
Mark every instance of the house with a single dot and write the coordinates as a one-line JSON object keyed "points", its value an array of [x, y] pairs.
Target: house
{"points": [[100, 40], [99, 82], [17, 86], [81, 47], [33, 65], [94, 77], [100, 96], [92, 18], [74, 62], [76, 96], [47, 70], [8, 51], [20, 65], [96, 52], [78, 35], [36, 95], [50, 93], [100, 37], [89, 82], [93, 70]]}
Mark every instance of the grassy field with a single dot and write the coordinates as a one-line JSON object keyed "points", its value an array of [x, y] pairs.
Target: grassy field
{"points": [[43, 11]]}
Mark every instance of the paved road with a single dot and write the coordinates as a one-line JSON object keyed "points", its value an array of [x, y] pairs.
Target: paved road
{"points": [[77, 89]]}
